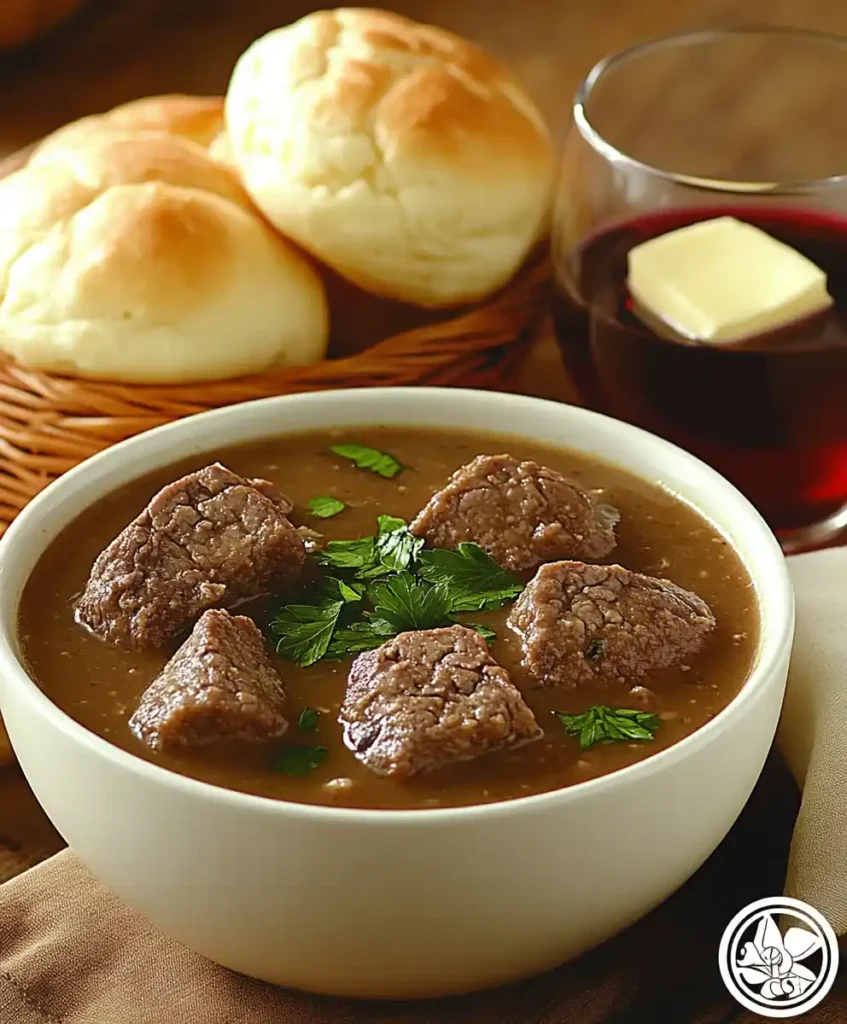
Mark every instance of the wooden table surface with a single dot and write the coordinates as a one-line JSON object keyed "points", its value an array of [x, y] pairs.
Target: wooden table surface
{"points": [[114, 51]]}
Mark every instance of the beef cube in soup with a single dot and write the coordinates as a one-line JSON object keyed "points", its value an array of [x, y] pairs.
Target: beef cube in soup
{"points": [[582, 624], [212, 538], [521, 513], [429, 698], [220, 685]]}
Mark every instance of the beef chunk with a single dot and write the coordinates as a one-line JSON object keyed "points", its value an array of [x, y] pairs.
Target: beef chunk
{"points": [[584, 624], [427, 698], [220, 685], [521, 513], [209, 539], [282, 501]]}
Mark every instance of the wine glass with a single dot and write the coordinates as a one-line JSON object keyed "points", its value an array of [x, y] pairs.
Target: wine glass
{"points": [[745, 122]]}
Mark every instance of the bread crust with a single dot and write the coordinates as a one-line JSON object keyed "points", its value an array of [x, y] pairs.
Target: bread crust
{"points": [[404, 157], [199, 119], [138, 258]]}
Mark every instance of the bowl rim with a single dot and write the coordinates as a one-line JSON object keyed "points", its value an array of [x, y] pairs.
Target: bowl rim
{"points": [[775, 602]]}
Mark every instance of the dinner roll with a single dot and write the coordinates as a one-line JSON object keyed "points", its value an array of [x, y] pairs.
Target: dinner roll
{"points": [[198, 118], [399, 154], [220, 150], [141, 259]]}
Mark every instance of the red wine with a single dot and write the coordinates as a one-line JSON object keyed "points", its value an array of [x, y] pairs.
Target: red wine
{"points": [[770, 414]]}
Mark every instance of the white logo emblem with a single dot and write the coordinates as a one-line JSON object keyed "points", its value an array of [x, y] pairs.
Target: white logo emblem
{"points": [[778, 957]]}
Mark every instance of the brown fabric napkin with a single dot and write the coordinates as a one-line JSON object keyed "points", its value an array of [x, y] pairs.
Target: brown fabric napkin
{"points": [[70, 953], [813, 733]]}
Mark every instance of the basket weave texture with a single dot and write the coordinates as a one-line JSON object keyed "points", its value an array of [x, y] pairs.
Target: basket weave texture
{"points": [[49, 423]]}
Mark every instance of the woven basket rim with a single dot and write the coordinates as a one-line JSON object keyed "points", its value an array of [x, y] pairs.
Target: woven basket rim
{"points": [[49, 422]]}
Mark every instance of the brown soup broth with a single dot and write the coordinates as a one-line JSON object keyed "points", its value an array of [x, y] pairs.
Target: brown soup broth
{"points": [[99, 685]]}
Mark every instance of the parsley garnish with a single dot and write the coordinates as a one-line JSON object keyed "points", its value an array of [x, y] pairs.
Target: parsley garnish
{"points": [[325, 506], [393, 549], [407, 603], [371, 459], [360, 636], [330, 588], [300, 761], [389, 524], [377, 587], [348, 554], [602, 724], [307, 720], [474, 580], [486, 632], [303, 631]]}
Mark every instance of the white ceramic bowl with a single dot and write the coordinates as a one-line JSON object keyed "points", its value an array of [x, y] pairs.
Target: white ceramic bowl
{"points": [[396, 903]]}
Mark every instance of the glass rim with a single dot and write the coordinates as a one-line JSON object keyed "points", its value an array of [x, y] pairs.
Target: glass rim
{"points": [[614, 155]]}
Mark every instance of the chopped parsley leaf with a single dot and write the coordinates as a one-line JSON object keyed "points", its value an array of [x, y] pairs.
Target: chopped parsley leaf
{"points": [[486, 632], [348, 554], [472, 578], [603, 724], [325, 506], [408, 603], [371, 459], [307, 720], [360, 636], [300, 761], [303, 632], [395, 548]]}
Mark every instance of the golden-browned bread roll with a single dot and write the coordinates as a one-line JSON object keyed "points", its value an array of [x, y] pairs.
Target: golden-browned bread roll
{"points": [[399, 154], [198, 118], [141, 259], [221, 150]]}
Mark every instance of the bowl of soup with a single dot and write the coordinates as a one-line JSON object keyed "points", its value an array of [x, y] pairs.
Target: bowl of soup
{"points": [[396, 692]]}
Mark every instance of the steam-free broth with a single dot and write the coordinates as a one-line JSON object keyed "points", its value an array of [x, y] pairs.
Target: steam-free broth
{"points": [[99, 684]]}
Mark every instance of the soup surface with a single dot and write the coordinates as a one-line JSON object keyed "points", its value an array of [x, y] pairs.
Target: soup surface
{"points": [[99, 684]]}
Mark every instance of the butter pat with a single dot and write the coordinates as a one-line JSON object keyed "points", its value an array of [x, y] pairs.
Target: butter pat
{"points": [[723, 280]]}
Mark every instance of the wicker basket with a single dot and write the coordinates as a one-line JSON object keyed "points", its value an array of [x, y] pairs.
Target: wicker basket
{"points": [[48, 423]]}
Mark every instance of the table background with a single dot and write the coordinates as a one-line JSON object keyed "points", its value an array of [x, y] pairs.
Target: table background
{"points": [[115, 50]]}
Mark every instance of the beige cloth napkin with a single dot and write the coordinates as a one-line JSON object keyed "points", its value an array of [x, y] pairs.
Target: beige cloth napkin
{"points": [[813, 733]]}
